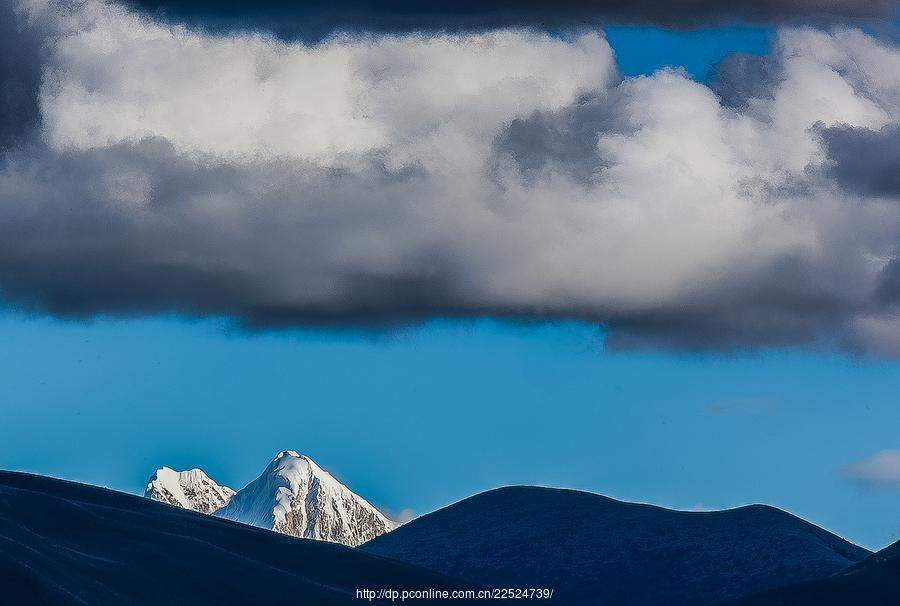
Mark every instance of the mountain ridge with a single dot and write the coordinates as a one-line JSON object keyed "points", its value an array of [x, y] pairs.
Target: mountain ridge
{"points": [[293, 496], [596, 549], [65, 543]]}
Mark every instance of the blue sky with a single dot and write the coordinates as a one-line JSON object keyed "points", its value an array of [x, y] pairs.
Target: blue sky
{"points": [[422, 417], [640, 50]]}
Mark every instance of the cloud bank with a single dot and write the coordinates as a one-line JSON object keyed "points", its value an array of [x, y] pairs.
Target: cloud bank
{"points": [[881, 470], [316, 17], [385, 179]]}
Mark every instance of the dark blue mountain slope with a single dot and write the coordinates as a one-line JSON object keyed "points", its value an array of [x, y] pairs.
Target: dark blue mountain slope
{"points": [[596, 550], [63, 543], [873, 582]]}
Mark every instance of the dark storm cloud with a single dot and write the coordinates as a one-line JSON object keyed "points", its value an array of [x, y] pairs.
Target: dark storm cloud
{"points": [[740, 77], [75, 242], [794, 301], [20, 74], [383, 180], [864, 160], [565, 140], [888, 287], [318, 17]]}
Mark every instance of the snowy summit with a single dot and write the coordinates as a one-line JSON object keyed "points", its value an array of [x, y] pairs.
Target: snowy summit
{"points": [[292, 496], [297, 497], [190, 489]]}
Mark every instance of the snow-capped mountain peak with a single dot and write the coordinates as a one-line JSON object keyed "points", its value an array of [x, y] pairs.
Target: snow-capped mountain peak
{"points": [[297, 497], [191, 489]]}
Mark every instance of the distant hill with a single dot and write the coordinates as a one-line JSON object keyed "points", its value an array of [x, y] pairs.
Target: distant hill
{"points": [[596, 550], [873, 582], [63, 543]]}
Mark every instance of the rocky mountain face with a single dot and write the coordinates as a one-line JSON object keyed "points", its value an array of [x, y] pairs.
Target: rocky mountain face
{"points": [[293, 496], [190, 489]]}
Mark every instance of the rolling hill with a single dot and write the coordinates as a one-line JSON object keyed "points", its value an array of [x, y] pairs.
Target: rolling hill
{"points": [[873, 582], [596, 550], [63, 543]]}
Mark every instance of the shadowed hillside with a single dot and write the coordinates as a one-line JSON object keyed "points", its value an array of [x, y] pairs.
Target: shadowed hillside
{"points": [[873, 582], [67, 543], [596, 550]]}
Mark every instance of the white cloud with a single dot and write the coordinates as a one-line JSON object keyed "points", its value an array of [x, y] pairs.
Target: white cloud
{"points": [[120, 77], [881, 470], [393, 178]]}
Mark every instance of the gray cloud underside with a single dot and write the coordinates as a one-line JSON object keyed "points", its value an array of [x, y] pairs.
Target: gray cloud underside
{"points": [[20, 75], [391, 179], [316, 18], [865, 160]]}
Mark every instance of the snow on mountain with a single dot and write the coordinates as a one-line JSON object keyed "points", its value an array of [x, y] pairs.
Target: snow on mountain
{"points": [[295, 496], [190, 489]]}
